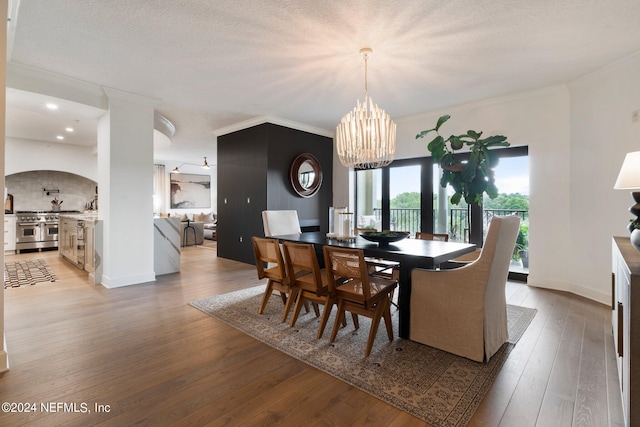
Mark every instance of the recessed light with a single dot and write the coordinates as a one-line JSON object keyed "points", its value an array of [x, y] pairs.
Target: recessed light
{"points": [[52, 106], [60, 137], [69, 129]]}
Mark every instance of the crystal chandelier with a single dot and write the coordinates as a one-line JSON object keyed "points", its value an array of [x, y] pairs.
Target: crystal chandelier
{"points": [[366, 136]]}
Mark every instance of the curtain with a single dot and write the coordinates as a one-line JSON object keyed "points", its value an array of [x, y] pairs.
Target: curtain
{"points": [[159, 190]]}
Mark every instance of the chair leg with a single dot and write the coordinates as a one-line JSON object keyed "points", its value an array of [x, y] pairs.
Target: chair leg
{"points": [[375, 321], [265, 297], [387, 320], [287, 306], [296, 310], [391, 299], [339, 316], [328, 306], [356, 323]]}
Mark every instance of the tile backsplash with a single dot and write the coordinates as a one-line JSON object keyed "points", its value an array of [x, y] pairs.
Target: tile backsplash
{"points": [[28, 191]]}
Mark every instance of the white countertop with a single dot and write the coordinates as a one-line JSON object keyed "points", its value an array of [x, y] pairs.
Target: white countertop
{"points": [[89, 216]]}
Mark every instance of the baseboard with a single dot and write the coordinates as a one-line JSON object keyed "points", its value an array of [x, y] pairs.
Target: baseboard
{"points": [[592, 294], [4, 357], [109, 282]]}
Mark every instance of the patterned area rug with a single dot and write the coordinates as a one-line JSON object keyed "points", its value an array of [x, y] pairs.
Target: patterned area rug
{"points": [[28, 272], [435, 386]]}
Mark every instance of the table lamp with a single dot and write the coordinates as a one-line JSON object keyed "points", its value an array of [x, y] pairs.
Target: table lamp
{"points": [[629, 179]]}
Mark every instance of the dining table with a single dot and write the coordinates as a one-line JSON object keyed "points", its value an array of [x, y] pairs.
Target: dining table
{"points": [[409, 253]]}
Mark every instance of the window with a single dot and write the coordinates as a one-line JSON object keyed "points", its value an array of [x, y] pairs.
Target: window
{"points": [[407, 196]]}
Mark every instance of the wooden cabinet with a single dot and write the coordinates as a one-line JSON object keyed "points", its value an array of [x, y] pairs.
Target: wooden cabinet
{"points": [[89, 246], [76, 241], [626, 326], [9, 232], [253, 175], [68, 239]]}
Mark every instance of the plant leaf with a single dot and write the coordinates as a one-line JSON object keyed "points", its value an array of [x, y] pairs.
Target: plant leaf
{"points": [[441, 121], [424, 133], [473, 134], [455, 199], [437, 148], [496, 141]]}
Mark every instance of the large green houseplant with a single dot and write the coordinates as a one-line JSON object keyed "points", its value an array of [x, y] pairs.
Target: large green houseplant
{"points": [[471, 178]]}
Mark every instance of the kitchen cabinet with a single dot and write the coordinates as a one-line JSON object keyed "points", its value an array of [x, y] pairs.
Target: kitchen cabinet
{"points": [[68, 239], [9, 232], [89, 246], [626, 327], [76, 241]]}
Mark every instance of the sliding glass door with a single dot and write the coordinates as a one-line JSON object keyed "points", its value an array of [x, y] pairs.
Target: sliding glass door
{"points": [[407, 196], [404, 198]]}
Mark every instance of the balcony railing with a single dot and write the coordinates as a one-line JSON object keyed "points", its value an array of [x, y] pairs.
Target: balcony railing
{"points": [[458, 224], [408, 219]]}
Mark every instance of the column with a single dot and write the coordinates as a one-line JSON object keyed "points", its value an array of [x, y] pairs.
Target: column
{"points": [[125, 190]]}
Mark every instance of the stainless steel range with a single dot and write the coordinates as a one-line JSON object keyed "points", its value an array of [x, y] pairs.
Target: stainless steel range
{"points": [[36, 230]]}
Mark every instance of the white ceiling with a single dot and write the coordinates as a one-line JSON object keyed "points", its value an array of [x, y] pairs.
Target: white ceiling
{"points": [[219, 62]]}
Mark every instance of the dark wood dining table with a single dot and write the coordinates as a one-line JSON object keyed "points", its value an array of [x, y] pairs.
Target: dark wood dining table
{"points": [[410, 253]]}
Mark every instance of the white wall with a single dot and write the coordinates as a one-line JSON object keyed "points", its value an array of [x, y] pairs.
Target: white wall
{"points": [[24, 155], [577, 137], [602, 132]]}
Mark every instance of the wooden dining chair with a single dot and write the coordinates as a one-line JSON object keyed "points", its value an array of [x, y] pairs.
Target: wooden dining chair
{"points": [[268, 251], [308, 281], [432, 236], [357, 291]]}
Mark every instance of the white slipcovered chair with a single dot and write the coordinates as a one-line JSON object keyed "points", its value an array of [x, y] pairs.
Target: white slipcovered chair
{"points": [[463, 311], [277, 223]]}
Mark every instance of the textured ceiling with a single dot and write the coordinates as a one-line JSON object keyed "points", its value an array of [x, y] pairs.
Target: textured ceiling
{"points": [[219, 62]]}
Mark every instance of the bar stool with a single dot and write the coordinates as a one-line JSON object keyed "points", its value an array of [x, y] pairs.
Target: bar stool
{"points": [[185, 233]]}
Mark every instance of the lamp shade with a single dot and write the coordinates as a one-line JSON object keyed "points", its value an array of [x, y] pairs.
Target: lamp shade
{"points": [[629, 176]]}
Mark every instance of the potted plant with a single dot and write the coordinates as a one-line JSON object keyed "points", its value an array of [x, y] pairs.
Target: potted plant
{"points": [[521, 249], [472, 178]]}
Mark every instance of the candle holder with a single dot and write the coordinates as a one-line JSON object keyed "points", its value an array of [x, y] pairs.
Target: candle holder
{"points": [[344, 228], [334, 220]]}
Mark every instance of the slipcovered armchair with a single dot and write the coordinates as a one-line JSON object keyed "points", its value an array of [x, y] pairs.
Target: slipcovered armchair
{"points": [[464, 311]]}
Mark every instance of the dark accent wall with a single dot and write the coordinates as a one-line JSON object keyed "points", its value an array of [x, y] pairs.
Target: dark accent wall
{"points": [[253, 175]]}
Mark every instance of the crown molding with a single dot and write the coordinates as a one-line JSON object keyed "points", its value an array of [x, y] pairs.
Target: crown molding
{"points": [[623, 62], [163, 125], [561, 88]]}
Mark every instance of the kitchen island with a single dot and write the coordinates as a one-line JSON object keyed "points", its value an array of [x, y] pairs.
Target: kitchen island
{"points": [[77, 240], [80, 243]]}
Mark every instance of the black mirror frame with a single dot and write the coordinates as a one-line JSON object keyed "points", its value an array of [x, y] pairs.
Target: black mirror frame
{"points": [[294, 171]]}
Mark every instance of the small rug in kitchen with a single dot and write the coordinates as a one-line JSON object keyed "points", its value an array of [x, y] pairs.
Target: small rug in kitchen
{"points": [[29, 272], [438, 387]]}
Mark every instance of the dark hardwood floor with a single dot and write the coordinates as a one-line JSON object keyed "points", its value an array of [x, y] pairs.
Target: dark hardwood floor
{"points": [[150, 359]]}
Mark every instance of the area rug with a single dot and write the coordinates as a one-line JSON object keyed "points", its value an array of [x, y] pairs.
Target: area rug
{"points": [[28, 272], [435, 386]]}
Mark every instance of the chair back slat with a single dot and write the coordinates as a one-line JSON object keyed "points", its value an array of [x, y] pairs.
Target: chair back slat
{"points": [[344, 264], [432, 236], [267, 251], [301, 259]]}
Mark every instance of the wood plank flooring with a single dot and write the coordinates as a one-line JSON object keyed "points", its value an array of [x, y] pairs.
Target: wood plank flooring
{"points": [[150, 359]]}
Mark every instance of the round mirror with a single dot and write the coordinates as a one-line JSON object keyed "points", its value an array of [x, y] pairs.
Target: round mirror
{"points": [[306, 175]]}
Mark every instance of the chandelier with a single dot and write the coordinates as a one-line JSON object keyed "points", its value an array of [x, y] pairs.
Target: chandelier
{"points": [[366, 136]]}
